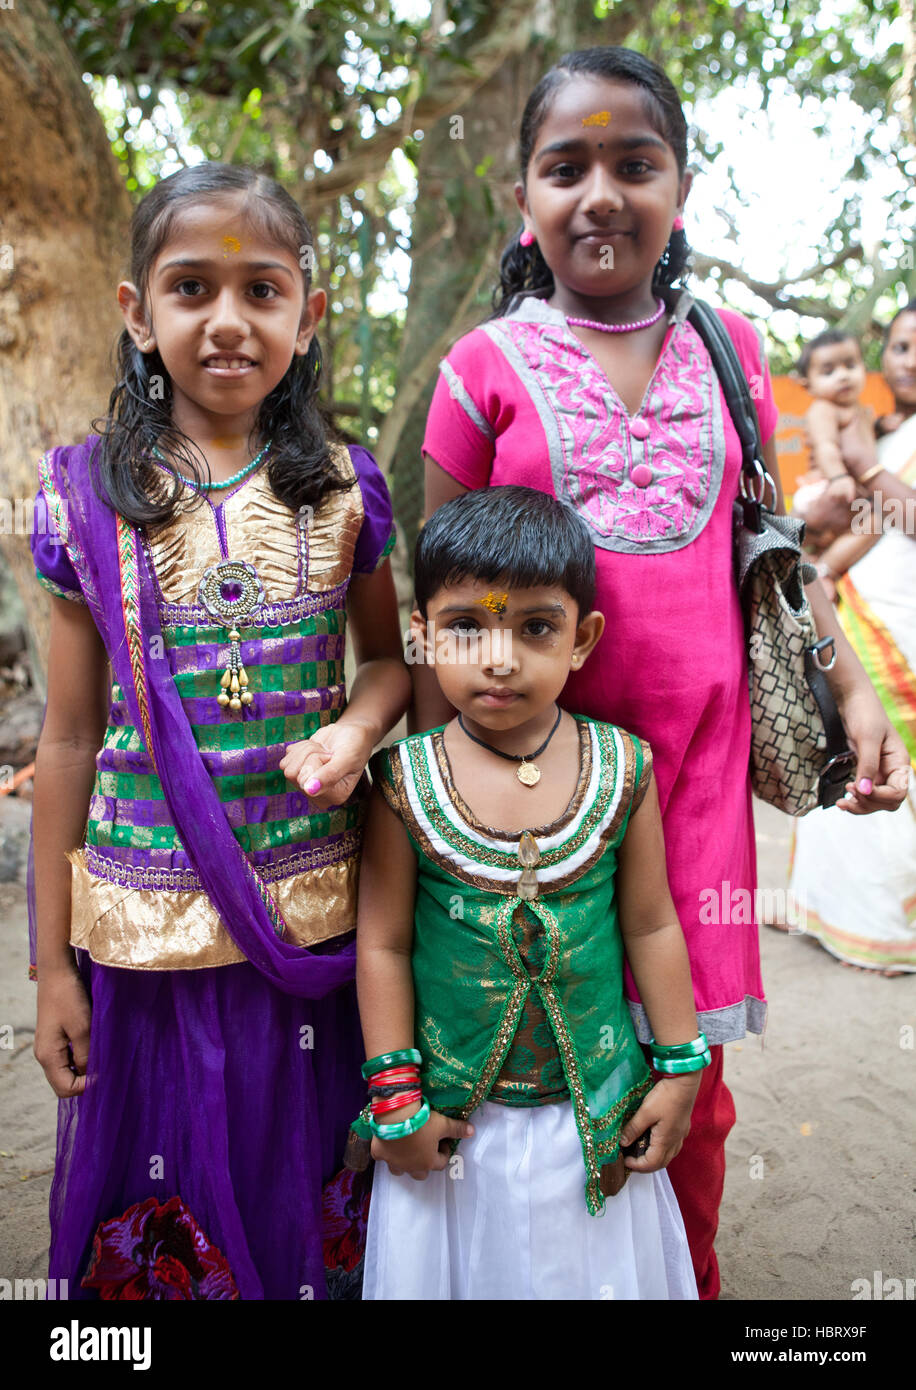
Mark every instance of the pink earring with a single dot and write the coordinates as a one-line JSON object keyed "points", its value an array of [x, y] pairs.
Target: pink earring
{"points": [[678, 224], [527, 238]]}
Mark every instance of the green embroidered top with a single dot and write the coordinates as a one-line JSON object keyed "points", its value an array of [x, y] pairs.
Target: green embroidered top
{"points": [[471, 980]]}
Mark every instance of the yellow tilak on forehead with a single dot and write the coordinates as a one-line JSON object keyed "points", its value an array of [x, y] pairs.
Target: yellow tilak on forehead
{"points": [[231, 243], [496, 603], [601, 118]]}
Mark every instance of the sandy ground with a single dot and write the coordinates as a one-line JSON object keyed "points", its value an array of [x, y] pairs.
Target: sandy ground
{"points": [[821, 1166]]}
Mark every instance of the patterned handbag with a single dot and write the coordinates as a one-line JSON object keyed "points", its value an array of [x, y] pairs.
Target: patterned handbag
{"points": [[800, 756]]}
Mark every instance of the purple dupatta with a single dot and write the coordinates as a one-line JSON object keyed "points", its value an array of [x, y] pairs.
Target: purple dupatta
{"points": [[115, 578]]}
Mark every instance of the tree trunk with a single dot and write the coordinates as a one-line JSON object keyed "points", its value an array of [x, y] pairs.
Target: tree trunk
{"points": [[63, 248]]}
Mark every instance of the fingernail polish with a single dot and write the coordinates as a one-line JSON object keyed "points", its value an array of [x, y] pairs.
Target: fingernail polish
{"points": [[865, 785], [312, 786]]}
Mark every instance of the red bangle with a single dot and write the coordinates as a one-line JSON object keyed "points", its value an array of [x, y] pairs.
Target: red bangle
{"points": [[394, 1075], [381, 1107]]}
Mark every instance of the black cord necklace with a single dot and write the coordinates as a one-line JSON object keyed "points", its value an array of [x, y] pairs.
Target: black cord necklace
{"points": [[527, 773]]}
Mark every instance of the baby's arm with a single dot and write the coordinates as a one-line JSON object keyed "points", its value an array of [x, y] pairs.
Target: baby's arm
{"points": [[384, 982], [658, 958], [823, 422], [64, 773], [334, 757]]}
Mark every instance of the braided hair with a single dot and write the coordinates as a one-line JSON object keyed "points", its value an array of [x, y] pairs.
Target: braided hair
{"points": [[522, 269], [139, 417]]}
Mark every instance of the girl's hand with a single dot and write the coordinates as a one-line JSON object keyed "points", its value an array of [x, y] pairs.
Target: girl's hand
{"points": [[425, 1152], [667, 1110], [882, 761], [328, 765], [62, 1031]]}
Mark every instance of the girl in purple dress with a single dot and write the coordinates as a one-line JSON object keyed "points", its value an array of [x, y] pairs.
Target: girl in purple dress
{"points": [[205, 552], [590, 384]]}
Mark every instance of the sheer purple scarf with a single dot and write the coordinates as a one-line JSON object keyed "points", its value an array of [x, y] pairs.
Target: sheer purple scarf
{"points": [[115, 578]]}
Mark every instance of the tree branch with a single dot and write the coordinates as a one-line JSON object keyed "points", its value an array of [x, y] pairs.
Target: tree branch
{"points": [[774, 292], [508, 35]]}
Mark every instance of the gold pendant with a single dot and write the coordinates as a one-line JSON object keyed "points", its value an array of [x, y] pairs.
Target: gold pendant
{"points": [[230, 590], [529, 774]]}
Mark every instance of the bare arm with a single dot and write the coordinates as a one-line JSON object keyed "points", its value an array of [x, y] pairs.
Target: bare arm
{"points": [[651, 931], [658, 958], [846, 550], [73, 730], [336, 755], [384, 982], [430, 707], [381, 689], [387, 889]]}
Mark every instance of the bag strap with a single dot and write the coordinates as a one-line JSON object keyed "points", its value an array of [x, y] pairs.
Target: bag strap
{"points": [[737, 393], [840, 761]]}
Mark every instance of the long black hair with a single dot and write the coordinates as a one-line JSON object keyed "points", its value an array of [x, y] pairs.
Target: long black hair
{"points": [[522, 269], [139, 415]]}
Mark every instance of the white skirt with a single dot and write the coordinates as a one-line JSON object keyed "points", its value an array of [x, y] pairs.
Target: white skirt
{"points": [[507, 1220], [854, 884]]}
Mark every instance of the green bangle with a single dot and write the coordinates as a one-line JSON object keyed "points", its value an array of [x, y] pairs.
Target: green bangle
{"points": [[391, 1059], [405, 1128], [679, 1065], [676, 1050]]}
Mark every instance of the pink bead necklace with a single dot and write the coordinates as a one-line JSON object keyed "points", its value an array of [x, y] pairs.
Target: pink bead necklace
{"points": [[619, 327]]}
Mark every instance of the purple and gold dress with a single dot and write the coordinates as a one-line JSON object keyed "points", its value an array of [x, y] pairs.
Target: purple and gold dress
{"points": [[211, 904]]}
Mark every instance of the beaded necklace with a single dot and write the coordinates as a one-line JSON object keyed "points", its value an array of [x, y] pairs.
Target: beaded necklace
{"points": [[619, 327], [227, 482]]}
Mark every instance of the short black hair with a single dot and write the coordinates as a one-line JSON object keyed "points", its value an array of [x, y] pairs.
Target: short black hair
{"points": [[513, 533], [828, 338]]}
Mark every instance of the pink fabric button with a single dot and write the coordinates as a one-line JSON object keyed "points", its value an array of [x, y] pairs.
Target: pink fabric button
{"points": [[639, 429], [641, 475]]}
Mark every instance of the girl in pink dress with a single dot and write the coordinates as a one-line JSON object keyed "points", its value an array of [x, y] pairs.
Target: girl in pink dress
{"points": [[589, 383]]}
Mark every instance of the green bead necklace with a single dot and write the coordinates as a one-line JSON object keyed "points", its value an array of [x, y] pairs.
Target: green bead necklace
{"points": [[228, 482]]}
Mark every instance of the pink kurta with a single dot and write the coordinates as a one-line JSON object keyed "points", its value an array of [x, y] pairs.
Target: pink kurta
{"points": [[521, 400]]}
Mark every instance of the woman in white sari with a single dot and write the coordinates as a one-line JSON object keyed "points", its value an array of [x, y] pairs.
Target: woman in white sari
{"points": [[854, 879]]}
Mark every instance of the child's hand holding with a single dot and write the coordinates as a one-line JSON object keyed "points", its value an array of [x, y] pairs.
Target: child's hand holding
{"points": [[328, 765], [667, 1110], [425, 1152]]}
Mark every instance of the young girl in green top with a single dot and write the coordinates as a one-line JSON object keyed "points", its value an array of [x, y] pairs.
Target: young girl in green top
{"points": [[490, 960]]}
